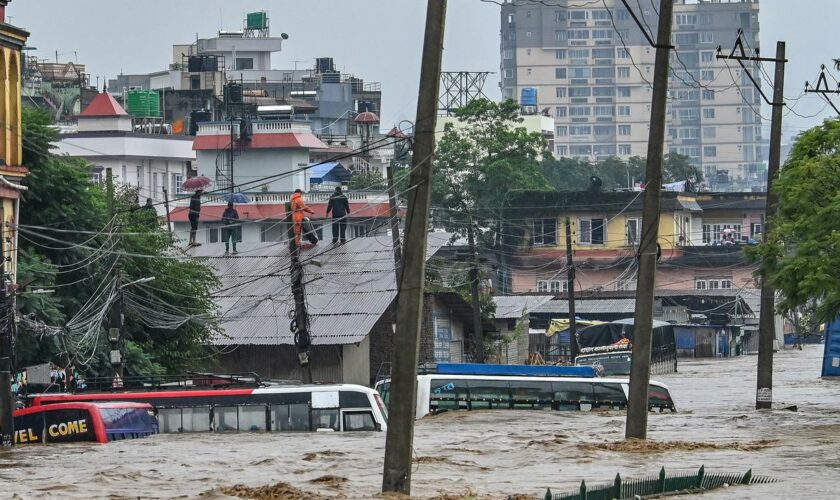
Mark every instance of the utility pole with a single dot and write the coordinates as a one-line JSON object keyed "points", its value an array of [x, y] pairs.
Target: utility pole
{"points": [[637, 407], [7, 325], [109, 187], [166, 206], [570, 276], [300, 324], [767, 319], [478, 335], [393, 212], [400, 437], [115, 329]]}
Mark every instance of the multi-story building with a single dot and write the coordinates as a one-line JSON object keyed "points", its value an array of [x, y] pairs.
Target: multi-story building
{"points": [[590, 67]]}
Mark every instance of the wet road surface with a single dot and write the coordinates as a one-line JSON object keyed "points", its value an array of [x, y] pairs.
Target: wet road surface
{"points": [[493, 454]]}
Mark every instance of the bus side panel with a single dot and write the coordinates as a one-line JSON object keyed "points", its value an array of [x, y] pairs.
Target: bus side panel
{"points": [[71, 426], [423, 395]]}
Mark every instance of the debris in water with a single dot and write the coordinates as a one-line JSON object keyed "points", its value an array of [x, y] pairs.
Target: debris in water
{"points": [[557, 439], [647, 446], [326, 453], [279, 491], [446, 461], [330, 481]]}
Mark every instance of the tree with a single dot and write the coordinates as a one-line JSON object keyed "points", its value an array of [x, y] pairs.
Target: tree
{"points": [[678, 168], [367, 179], [800, 256], [566, 174], [480, 160], [69, 245]]}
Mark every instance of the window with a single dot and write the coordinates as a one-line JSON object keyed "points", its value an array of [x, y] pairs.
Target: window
{"points": [[623, 91], [580, 91], [602, 130], [707, 37], [562, 131], [359, 421], [684, 19], [603, 53], [603, 91], [580, 111], [560, 35], [591, 231], [580, 130], [580, 72], [713, 283], [707, 75], [560, 54], [624, 130], [622, 53], [622, 15], [560, 73], [601, 111], [584, 150], [578, 15], [560, 111], [602, 33], [721, 233], [600, 15], [579, 53], [685, 38], [449, 394], [545, 231], [553, 286], [603, 72], [709, 132], [244, 63], [443, 338], [708, 95], [195, 82], [578, 34], [507, 54], [624, 149], [562, 150], [96, 177], [212, 234], [755, 229], [559, 16], [709, 113], [705, 19], [623, 110], [604, 149], [710, 151], [623, 71], [707, 56], [634, 231]]}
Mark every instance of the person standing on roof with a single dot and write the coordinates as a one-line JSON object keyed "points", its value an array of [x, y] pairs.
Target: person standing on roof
{"points": [[340, 208], [230, 219], [298, 209], [195, 211]]}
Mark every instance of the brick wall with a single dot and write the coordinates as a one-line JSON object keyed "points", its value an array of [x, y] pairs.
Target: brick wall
{"points": [[382, 339]]}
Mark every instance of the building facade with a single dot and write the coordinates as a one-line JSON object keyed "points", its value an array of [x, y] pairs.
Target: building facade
{"points": [[590, 67]]}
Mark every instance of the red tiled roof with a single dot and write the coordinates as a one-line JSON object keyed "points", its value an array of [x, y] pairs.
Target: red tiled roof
{"points": [[262, 141], [276, 211], [104, 104]]}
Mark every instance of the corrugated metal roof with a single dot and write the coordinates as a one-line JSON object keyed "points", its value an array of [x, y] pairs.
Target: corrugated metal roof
{"points": [[591, 306], [514, 306], [348, 287]]}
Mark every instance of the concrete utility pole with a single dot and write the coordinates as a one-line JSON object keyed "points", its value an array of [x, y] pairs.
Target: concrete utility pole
{"points": [[570, 276], [7, 325], [300, 325], [637, 404], [767, 319], [399, 440], [115, 326], [478, 334], [393, 212]]}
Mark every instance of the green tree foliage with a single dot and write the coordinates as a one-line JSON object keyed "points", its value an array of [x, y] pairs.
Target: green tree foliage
{"points": [[368, 179], [801, 256], [67, 246], [572, 174], [483, 158]]}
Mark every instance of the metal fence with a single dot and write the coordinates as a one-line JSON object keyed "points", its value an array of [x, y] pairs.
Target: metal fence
{"points": [[656, 485]]}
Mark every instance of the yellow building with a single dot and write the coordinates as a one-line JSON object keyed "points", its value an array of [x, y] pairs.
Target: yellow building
{"points": [[12, 172]]}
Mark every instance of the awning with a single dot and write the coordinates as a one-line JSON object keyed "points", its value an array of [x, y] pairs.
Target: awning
{"points": [[561, 325]]}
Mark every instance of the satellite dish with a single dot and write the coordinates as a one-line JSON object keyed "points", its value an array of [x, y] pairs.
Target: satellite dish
{"points": [[284, 36]]}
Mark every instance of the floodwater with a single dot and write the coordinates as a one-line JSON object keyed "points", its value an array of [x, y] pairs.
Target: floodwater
{"points": [[489, 454]]}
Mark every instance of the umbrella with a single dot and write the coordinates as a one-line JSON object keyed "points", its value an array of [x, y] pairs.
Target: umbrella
{"points": [[196, 183], [237, 198]]}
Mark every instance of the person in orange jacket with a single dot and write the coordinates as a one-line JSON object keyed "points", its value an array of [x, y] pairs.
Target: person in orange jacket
{"points": [[298, 209]]}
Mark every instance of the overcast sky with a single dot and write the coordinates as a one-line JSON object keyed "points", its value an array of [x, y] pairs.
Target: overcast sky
{"points": [[378, 40]]}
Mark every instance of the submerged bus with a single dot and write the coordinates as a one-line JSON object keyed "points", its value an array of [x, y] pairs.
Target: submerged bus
{"points": [[339, 408], [485, 391], [76, 422]]}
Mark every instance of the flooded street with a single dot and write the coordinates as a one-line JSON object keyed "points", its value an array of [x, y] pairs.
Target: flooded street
{"points": [[488, 453]]}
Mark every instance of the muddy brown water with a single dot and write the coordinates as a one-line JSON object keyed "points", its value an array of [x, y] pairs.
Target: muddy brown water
{"points": [[492, 454]]}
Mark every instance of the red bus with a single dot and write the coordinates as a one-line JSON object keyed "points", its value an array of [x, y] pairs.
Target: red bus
{"points": [[77, 422]]}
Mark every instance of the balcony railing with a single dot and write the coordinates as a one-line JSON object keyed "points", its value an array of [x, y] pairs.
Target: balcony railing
{"points": [[274, 198]]}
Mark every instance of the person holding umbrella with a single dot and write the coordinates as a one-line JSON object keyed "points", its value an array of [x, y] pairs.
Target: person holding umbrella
{"points": [[195, 212], [230, 217]]}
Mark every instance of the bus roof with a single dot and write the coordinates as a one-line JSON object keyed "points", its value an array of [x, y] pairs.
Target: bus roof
{"points": [[514, 370], [80, 405]]}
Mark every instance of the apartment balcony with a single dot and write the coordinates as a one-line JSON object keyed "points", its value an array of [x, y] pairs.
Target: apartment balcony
{"points": [[311, 197]]}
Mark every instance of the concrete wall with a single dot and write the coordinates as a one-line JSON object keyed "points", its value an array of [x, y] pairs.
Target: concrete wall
{"points": [[355, 363], [256, 164], [280, 362]]}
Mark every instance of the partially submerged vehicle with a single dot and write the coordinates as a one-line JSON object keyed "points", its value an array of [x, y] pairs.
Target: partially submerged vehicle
{"points": [[73, 422]]}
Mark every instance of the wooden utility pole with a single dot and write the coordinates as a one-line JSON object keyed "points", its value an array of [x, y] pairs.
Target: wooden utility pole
{"points": [[478, 334], [393, 212], [570, 276], [767, 318], [400, 438], [637, 404]]}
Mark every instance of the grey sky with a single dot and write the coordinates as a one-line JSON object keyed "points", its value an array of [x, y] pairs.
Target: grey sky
{"points": [[378, 40]]}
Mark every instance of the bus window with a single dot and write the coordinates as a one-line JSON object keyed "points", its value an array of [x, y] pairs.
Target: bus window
{"points": [[252, 418], [225, 418], [659, 399], [299, 417], [608, 396], [527, 394], [280, 418], [353, 399], [385, 391], [572, 396], [195, 419], [447, 394], [169, 420], [489, 394], [359, 421], [325, 419]]}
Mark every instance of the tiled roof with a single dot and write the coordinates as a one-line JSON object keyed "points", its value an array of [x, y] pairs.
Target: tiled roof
{"points": [[104, 105], [348, 288]]}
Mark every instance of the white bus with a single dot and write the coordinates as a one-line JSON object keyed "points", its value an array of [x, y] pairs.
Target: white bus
{"points": [[445, 392]]}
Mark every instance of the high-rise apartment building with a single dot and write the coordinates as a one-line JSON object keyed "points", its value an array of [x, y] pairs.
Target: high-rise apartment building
{"points": [[590, 67]]}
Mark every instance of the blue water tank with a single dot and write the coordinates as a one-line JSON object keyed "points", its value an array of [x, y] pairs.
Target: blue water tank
{"points": [[529, 97]]}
